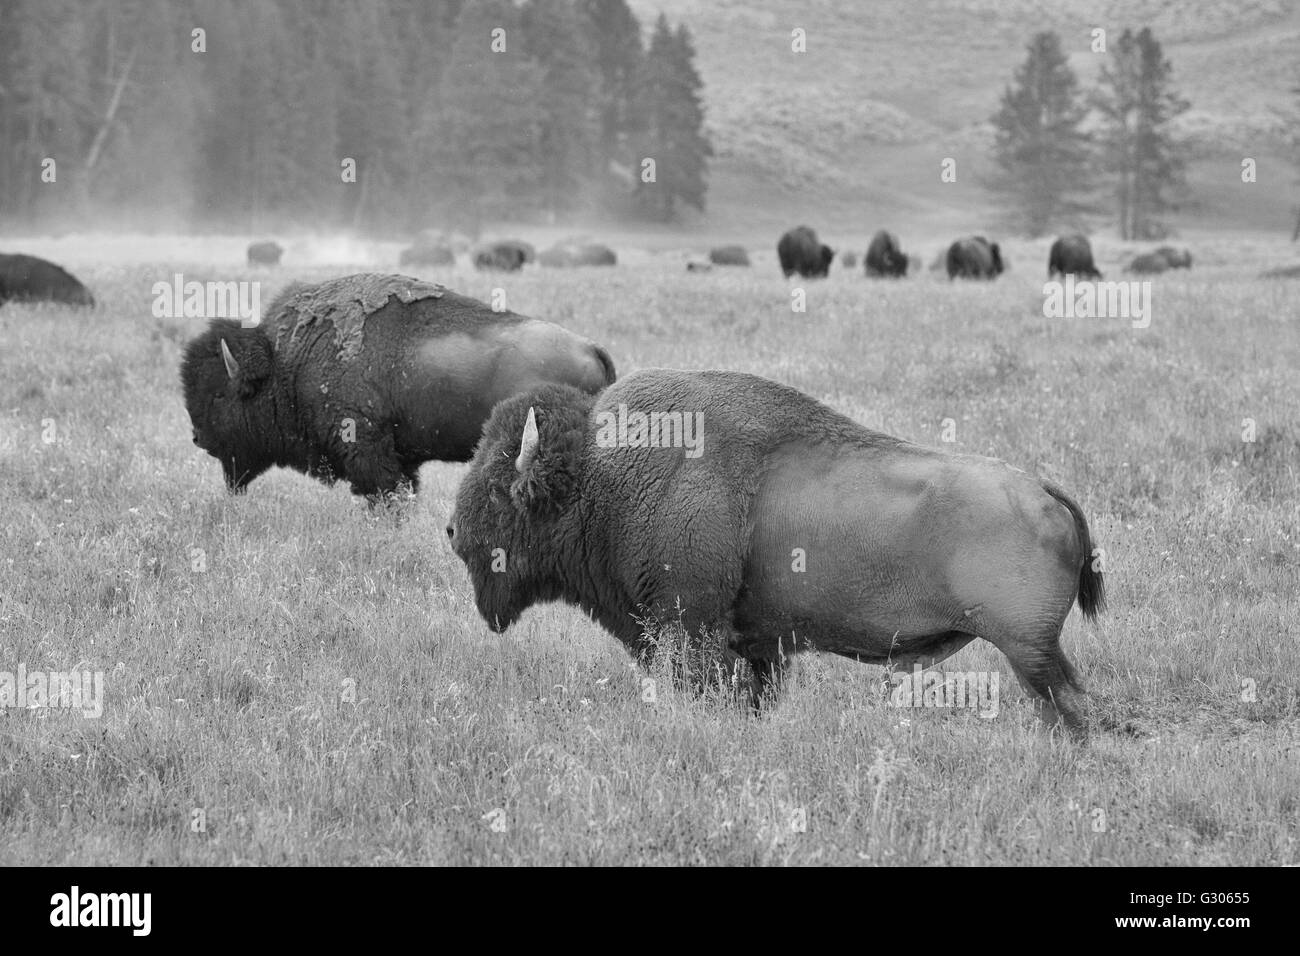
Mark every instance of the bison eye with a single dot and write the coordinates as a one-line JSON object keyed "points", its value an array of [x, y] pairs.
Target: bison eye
{"points": [[451, 532]]}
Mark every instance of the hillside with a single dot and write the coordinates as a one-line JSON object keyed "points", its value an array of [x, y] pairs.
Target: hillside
{"points": [[855, 128]]}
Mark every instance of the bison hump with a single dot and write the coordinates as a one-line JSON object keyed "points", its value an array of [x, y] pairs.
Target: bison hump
{"points": [[345, 303]]}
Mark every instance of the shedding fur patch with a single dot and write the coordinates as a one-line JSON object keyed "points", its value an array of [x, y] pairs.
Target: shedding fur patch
{"points": [[345, 303]]}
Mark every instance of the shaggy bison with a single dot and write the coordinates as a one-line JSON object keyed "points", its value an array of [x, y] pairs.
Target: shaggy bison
{"points": [[265, 253], [507, 255], [29, 279], [884, 258], [974, 258], [740, 506], [729, 256], [1072, 255], [801, 251], [368, 376]]}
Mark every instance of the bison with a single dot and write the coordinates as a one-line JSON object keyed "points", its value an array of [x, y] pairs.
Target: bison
{"points": [[1150, 262], [884, 257], [848, 259], [366, 377], [801, 251], [1071, 255], [744, 508], [429, 249], [974, 258], [1177, 259], [729, 256], [265, 253], [29, 279], [572, 255], [507, 255]]}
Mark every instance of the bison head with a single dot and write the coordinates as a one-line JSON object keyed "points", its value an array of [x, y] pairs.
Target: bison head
{"points": [[996, 254], [225, 374], [513, 521], [824, 265]]}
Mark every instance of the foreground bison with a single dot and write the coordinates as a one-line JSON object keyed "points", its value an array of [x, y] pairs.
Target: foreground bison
{"points": [[265, 254], [29, 279], [974, 258], [801, 251], [732, 503], [1072, 255], [507, 255], [368, 376], [729, 256], [884, 257]]}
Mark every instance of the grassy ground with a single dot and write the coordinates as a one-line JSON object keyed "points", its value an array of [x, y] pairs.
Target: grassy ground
{"points": [[293, 679]]}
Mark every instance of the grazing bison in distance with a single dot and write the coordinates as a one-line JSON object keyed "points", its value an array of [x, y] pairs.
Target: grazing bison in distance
{"points": [[974, 258], [1177, 259], [1072, 255], [729, 256], [265, 254], [429, 249], [508, 255], [368, 376], [801, 251], [1148, 263], [699, 265], [573, 255], [29, 279], [680, 495], [848, 259], [884, 258]]}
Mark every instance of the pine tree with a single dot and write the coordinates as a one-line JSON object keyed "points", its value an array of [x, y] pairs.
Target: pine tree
{"points": [[568, 130], [672, 125], [1041, 149], [615, 38], [1137, 104], [484, 146]]}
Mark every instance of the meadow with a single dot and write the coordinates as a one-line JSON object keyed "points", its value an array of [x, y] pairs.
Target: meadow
{"points": [[294, 678]]}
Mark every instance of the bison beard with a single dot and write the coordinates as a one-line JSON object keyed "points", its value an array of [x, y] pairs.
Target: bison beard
{"points": [[908, 549]]}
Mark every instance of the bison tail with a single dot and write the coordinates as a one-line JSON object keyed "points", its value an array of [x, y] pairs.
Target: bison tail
{"points": [[1092, 589]]}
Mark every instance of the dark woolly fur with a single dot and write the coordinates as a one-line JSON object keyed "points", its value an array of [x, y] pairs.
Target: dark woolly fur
{"points": [[632, 533], [974, 258]]}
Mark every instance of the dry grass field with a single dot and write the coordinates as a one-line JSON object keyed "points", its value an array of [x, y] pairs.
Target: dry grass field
{"points": [[291, 677]]}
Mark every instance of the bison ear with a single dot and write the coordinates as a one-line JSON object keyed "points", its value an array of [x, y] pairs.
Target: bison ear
{"points": [[528, 446]]}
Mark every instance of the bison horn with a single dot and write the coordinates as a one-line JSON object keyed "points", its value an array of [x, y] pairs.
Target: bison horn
{"points": [[528, 447], [232, 367]]}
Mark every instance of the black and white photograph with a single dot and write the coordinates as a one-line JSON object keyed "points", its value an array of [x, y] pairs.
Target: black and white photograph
{"points": [[650, 433]]}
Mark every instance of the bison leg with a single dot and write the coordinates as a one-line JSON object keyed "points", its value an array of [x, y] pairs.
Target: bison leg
{"points": [[1042, 667]]}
